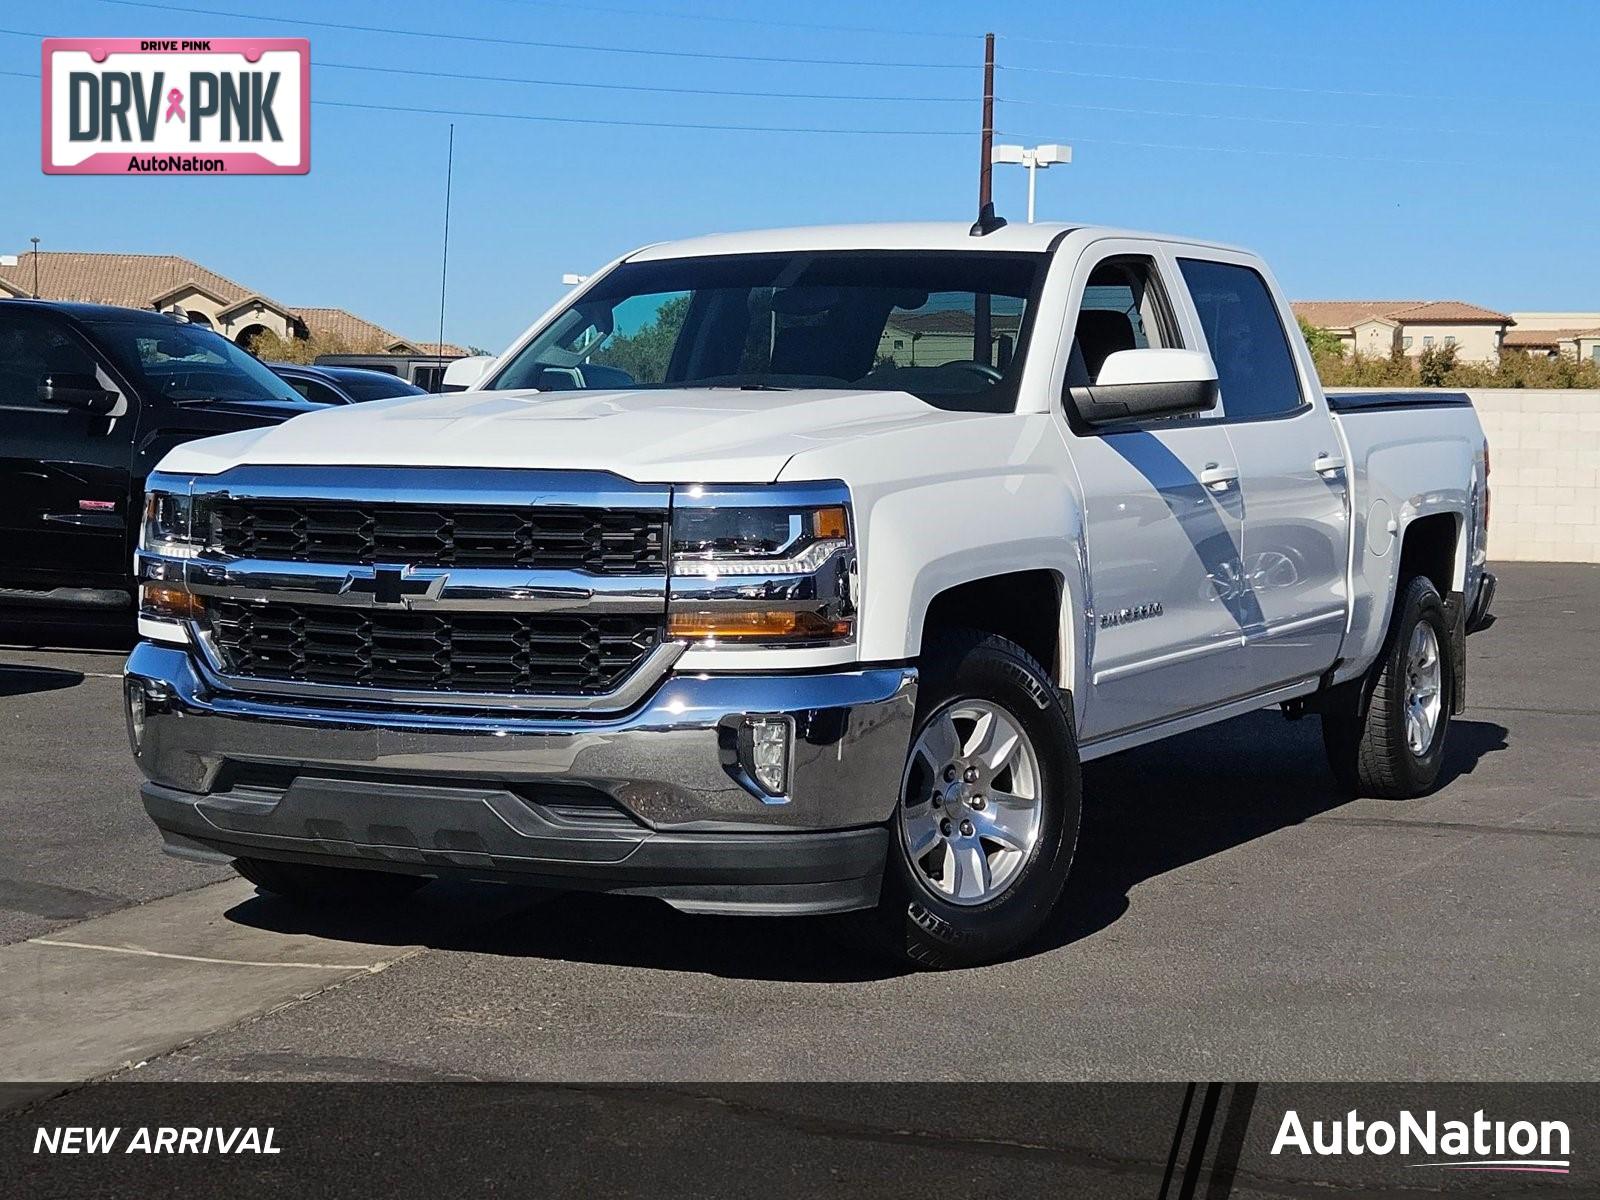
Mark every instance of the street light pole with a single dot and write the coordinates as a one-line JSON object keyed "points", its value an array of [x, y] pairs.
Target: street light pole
{"points": [[35, 242], [1036, 159]]}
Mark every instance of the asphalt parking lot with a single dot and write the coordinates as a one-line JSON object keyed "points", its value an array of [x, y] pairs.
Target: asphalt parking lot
{"points": [[1230, 916]]}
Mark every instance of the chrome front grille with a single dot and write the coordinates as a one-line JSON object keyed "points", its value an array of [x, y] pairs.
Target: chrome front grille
{"points": [[413, 650], [602, 541], [431, 587]]}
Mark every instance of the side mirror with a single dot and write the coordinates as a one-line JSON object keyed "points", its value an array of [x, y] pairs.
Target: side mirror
{"points": [[78, 391], [461, 373], [1136, 385]]}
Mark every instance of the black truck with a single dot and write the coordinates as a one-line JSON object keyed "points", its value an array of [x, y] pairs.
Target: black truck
{"points": [[91, 397]]}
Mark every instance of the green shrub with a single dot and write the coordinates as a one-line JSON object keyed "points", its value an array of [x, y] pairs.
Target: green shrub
{"points": [[1437, 367]]}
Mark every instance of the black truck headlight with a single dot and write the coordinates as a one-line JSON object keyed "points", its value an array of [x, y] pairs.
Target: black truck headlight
{"points": [[763, 566]]}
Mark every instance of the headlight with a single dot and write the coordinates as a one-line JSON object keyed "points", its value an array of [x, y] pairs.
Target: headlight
{"points": [[168, 525], [167, 532], [764, 566]]}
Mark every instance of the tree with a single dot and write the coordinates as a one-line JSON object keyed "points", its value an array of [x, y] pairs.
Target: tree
{"points": [[1324, 343], [646, 353], [269, 347], [1436, 364]]}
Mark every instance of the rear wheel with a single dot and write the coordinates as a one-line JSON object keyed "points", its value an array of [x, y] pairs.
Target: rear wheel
{"points": [[989, 808], [1389, 740], [307, 884]]}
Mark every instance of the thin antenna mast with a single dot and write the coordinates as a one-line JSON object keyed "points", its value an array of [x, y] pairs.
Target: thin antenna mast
{"points": [[444, 254]]}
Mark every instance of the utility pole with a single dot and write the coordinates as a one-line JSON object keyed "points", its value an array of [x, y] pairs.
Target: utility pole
{"points": [[35, 242], [444, 255], [980, 304], [985, 168]]}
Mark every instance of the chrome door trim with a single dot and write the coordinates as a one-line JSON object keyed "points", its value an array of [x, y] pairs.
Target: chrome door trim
{"points": [[1294, 625], [1123, 670], [644, 678]]}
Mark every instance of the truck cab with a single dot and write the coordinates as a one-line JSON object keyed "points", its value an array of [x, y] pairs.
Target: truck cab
{"points": [[809, 565], [93, 397]]}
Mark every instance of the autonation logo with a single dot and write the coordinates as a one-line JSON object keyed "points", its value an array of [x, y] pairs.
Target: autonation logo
{"points": [[1476, 1145]]}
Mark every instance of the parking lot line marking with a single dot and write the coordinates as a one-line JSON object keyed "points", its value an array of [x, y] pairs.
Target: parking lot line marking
{"points": [[370, 968]]}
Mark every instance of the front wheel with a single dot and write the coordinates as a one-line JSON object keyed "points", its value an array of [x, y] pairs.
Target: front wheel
{"points": [[989, 808]]}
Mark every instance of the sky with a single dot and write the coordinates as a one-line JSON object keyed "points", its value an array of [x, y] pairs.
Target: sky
{"points": [[1367, 150]]}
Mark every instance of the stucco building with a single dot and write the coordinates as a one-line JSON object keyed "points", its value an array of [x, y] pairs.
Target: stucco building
{"points": [[1573, 334], [168, 283], [1376, 328]]}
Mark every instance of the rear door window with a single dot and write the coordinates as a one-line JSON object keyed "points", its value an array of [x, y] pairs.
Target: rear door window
{"points": [[1256, 375]]}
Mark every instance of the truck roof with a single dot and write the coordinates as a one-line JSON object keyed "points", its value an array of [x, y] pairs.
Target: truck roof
{"points": [[87, 311], [903, 235]]}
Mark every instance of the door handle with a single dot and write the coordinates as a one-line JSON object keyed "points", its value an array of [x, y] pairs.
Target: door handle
{"points": [[1328, 464], [1218, 478]]}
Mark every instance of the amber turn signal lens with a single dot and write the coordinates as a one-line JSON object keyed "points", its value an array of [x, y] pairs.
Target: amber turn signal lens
{"points": [[756, 625], [829, 524], [172, 603]]}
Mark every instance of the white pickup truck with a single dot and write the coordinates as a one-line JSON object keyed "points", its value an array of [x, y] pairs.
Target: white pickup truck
{"points": [[797, 572]]}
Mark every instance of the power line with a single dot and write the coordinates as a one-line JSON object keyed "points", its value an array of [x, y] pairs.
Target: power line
{"points": [[1211, 83], [764, 22], [733, 93], [1349, 158], [504, 116], [1148, 48], [639, 87], [454, 112], [1201, 116], [587, 47]]}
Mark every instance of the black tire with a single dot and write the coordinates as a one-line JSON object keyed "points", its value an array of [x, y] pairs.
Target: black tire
{"points": [[912, 922], [1366, 737], [307, 884]]}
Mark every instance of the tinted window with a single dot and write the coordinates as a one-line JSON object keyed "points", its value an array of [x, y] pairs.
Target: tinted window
{"points": [[182, 362], [1255, 369], [30, 349], [317, 393], [947, 327], [377, 387]]}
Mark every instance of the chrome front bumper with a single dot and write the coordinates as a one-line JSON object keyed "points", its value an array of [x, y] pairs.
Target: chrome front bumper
{"points": [[652, 801]]}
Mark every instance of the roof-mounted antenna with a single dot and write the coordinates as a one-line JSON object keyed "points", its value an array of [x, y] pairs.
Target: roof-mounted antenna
{"points": [[987, 222]]}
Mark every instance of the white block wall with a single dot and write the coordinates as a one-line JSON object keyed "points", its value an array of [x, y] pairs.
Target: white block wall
{"points": [[1544, 479]]}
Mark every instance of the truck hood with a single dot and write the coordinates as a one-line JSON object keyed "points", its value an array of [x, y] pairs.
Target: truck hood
{"points": [[713, 435]]}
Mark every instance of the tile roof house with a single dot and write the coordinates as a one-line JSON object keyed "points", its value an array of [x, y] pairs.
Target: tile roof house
{"points": [[169, 283], [939, 335], [1572, 334], [1376, 328]]}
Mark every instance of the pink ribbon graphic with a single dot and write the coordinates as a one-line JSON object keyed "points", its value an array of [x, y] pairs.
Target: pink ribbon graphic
{"points": [[175, 106]]}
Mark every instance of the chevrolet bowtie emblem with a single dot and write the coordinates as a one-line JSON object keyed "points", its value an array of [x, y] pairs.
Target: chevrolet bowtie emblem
{"points": [[395, 585]]}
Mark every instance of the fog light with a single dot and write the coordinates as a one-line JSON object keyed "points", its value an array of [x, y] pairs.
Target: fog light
{"points": [[764, 749], [134, 690]]}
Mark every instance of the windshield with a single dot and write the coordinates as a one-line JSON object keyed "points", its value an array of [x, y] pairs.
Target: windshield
{"points": [[949, 327], [186, 362]]}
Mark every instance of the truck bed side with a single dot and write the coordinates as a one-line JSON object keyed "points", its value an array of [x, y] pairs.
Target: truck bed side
{"points": [[1411, 456]]}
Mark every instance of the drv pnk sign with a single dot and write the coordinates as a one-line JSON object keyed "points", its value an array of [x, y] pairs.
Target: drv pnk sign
{"points": [[170, 106]]}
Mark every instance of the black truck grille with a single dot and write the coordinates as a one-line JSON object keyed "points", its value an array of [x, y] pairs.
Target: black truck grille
{"points": [[563, 654], [546, 537]]}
